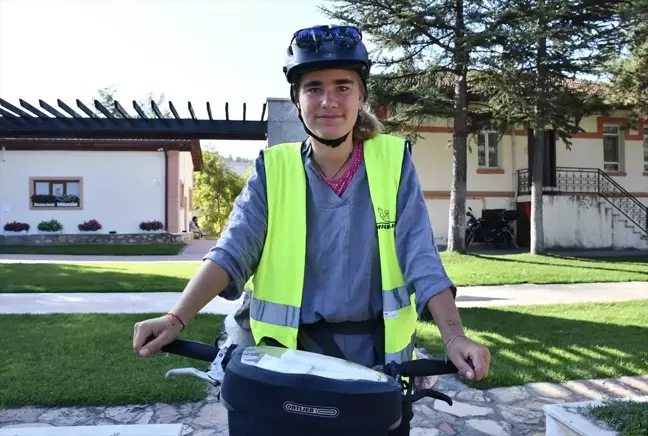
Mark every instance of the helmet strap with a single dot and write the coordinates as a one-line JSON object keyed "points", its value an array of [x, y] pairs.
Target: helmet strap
{"points": [[329, 142]]}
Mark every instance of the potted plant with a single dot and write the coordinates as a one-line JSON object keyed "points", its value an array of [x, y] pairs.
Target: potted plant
{"points": [[67, 201], [51, 226], [16, 228], [151, 226], [43, 200], [90, 226]]}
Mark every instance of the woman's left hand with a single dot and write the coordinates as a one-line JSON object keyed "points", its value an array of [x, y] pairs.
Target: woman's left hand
{"points": [[463, 348]]}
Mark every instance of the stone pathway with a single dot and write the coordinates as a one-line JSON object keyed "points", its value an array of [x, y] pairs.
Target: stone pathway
{"points": [[495, 412]]}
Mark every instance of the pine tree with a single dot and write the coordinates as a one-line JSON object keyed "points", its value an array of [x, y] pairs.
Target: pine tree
{"points": [[426, 50], [547, 47]]}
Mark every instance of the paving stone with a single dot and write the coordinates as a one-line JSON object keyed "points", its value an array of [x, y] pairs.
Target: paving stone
{"points": [[461, 409], [207, 433], [450, 383], [210, 416], [549, 390], [166, 414], [425, 416], [471, 395], [447, 429], [508, 395], [415, 431], [126, 414], [490, 427], [538, 403], [67, 416], [23, 414], [145, 418], [520, 415]]}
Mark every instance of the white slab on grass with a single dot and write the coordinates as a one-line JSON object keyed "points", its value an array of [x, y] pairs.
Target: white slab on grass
{"points": [[97, 430], [565, 419]]}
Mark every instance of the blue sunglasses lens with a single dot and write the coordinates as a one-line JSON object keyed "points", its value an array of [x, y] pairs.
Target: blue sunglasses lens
{"points": [[310, 38], [344, 37]]}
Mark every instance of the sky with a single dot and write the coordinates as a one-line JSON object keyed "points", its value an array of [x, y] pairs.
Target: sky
{"points": [[191, 50]]}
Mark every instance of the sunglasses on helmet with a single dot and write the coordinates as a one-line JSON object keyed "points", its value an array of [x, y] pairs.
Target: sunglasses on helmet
{"points": [[312, 38]]}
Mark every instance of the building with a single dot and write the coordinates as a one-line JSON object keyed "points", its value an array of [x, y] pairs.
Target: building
{"points": [[119, 183], [132, 174], [595, 195]]}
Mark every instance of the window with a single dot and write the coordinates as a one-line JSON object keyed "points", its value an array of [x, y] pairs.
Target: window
{"points": [[645, 148], [487, 153], [611, 148], [46, 193]]}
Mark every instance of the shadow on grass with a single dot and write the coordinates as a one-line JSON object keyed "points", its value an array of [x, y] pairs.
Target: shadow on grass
{"points": [[106, 277], [626, 261], [544, 345]]}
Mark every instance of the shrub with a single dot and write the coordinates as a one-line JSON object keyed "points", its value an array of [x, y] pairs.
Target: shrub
{"points": [[148, 226], [50, 226], [90, 226], [16, 227]]}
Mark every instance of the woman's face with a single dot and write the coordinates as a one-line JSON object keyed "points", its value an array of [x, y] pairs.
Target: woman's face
{"points": [[330, 101]]}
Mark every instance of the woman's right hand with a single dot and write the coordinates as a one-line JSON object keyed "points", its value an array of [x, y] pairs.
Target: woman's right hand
{"points": [[163, 329]]}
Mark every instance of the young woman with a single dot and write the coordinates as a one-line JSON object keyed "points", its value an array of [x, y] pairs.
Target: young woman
{"points": [[334, 231]]}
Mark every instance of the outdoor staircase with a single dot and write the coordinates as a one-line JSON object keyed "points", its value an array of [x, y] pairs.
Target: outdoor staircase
{"points": [[626, 211]]}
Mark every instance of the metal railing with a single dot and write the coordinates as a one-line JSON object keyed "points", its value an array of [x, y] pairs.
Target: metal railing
{"points": [[591, 181]]}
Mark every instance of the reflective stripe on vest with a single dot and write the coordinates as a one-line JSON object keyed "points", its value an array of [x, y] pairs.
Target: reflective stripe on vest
{"points": [[278, 280]]}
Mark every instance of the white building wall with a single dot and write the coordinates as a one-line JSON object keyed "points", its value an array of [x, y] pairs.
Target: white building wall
{"points": [[587, 222], [119, 189]]}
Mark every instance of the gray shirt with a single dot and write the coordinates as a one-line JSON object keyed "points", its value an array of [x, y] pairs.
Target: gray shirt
{"points": [[342, 274]]}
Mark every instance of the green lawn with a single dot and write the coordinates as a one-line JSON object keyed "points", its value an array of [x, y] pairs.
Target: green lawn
{"points": [[88, 359], [96, 249], [69, 359], [555, 343], [96, 277], [475, 269], [465, 270], [627, 417]]}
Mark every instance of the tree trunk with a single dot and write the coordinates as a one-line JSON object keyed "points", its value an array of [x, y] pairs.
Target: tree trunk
{"points": [[457, 226], [537, 230]]}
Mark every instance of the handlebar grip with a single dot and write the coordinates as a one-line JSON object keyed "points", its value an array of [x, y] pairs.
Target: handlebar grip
{"points": [[190, 349], [428, 367]]}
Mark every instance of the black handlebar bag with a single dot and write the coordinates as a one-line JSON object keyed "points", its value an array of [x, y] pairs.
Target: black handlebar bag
{"points": [[276, 391]]}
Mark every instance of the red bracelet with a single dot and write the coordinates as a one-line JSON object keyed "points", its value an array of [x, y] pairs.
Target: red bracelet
{"points": [[173, 315]]}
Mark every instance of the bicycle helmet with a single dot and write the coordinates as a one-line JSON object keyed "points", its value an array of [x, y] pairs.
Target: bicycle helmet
{"points": [[324, 47]]}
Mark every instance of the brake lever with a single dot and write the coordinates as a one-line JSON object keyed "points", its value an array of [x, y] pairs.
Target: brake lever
{"points": [[216, 372], [413, 398]]}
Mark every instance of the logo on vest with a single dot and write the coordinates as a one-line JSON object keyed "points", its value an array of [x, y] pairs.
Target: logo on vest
{"points": [[385, 223], [302, 409]]}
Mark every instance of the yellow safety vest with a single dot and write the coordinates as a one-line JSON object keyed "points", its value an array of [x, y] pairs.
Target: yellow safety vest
{"points": [[278, 281]]}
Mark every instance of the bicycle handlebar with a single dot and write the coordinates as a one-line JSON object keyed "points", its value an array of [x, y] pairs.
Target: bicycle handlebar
{"points": [[427, 367], [192, 350], [413, 368]]}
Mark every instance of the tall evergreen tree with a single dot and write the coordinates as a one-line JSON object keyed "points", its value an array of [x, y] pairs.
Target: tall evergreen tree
{"points": [[547, 47], [426, 50], [629, 72]]}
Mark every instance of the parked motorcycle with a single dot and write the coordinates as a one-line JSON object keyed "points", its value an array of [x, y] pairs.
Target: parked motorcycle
{"points": [[499, 234]]}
